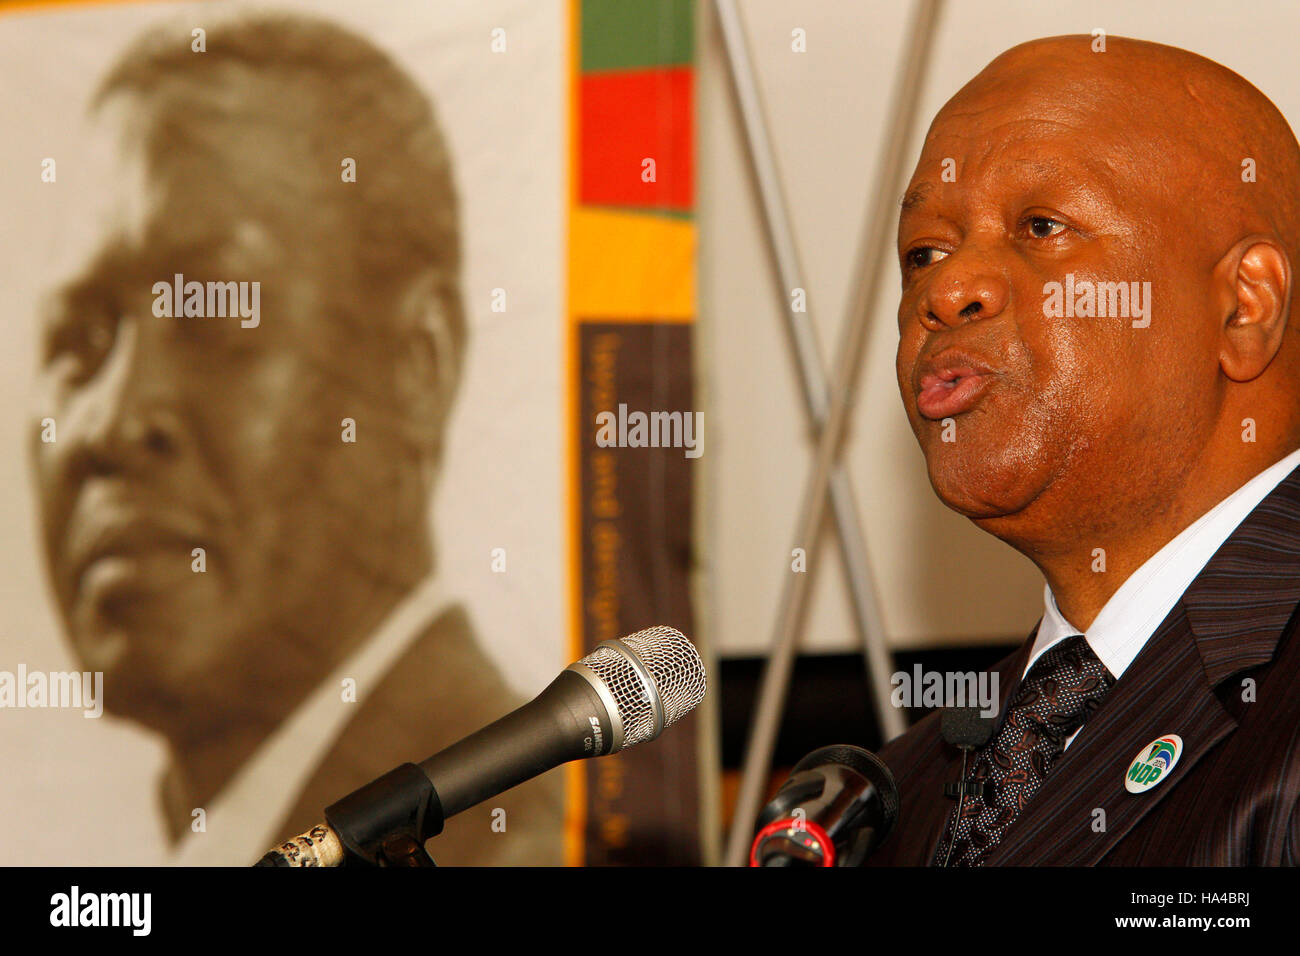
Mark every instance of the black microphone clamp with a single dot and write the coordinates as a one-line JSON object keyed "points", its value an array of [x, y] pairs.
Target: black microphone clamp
{"points": [[970, 788], [386, 822]]}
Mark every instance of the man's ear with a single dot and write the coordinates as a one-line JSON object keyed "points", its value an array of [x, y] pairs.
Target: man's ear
{"points": [[426, 363], [1255, 276]]}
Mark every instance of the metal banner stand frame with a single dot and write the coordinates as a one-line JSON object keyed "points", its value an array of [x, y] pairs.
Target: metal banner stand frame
{"points": [[827, 404]]}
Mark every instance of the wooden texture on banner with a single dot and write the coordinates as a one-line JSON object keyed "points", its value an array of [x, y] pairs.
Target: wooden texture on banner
{"points": [[642, 805]]}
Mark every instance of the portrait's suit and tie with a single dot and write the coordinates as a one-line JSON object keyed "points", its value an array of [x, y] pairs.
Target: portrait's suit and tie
{"points": [[456, 690], [1221, 672]]}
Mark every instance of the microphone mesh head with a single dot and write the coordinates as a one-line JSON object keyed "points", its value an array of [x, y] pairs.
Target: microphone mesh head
{"points": [[675, 670]]}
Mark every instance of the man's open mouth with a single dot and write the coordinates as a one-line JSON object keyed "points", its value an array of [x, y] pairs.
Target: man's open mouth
{"points": [[951, 391]]}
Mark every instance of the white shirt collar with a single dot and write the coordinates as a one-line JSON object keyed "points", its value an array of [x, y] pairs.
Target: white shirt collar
{"points": [[1133, 613]]}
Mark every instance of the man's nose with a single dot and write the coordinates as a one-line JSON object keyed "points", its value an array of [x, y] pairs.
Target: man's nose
{"points": [[967, 288], [125, 416]]}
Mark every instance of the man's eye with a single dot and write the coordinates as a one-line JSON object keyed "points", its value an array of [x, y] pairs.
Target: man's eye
{"points": [[83, 343], [1041, 227], [923, 256]]}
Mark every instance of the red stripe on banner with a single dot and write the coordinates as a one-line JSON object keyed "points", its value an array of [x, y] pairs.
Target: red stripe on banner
{"points": [[626, 118]]}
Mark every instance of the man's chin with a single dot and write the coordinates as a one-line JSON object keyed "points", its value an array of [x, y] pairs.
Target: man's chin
{"points": [[110, 651], [144, 667], [983, 494]]}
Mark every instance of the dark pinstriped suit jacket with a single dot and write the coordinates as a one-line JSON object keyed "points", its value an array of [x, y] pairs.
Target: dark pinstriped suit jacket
{"points": [[1233, 798]]}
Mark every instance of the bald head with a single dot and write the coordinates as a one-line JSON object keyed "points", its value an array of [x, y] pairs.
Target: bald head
{"points": [[1182, 123], [1096, 252]]}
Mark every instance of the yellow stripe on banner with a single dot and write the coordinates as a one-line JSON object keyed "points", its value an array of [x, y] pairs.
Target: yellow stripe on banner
{"points": [[631, 267]]}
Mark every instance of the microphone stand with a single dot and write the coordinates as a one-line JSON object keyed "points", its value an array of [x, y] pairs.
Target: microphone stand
{"points": [[385, 823]]}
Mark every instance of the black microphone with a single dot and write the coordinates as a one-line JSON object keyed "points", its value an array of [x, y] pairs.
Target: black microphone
{"points": [[967, 729], [838, 805], [621, 694]]}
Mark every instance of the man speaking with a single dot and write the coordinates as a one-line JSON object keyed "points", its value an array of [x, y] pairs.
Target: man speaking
{"points": [[1099, 357]]}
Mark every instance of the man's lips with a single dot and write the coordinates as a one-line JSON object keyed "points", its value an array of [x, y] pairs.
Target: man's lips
{"points": [[134, 537], [951, 388]]}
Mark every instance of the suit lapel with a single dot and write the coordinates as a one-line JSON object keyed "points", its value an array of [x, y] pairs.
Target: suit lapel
{"points": [[1230, 619], [922, 811], [1162, 692]]}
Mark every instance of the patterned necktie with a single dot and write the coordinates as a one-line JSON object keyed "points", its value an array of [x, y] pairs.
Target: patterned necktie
{"points": [[1061, 691]]}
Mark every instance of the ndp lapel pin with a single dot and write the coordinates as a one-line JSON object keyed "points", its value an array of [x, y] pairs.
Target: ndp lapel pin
{"points": [[1153, 763]]}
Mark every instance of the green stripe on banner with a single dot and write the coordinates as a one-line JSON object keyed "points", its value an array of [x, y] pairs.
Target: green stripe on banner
{"points": [[629, 34], [682, 215]]}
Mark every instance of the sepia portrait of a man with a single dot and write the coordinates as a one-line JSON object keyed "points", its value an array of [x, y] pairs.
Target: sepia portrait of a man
{"points": [[234, 511]]}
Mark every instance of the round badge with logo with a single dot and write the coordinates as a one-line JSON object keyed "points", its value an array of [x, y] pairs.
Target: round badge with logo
{"points": [[1153, 763]]}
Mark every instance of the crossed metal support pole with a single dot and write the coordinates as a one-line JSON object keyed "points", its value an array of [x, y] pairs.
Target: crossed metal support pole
{"points": [[827, 403]]}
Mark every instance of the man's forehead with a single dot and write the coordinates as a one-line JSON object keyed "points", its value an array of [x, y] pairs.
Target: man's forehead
{"points": [[1029, 104], [1010, 168], [164, 214], [109, 188], [1023, 124], [191, 195]]}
